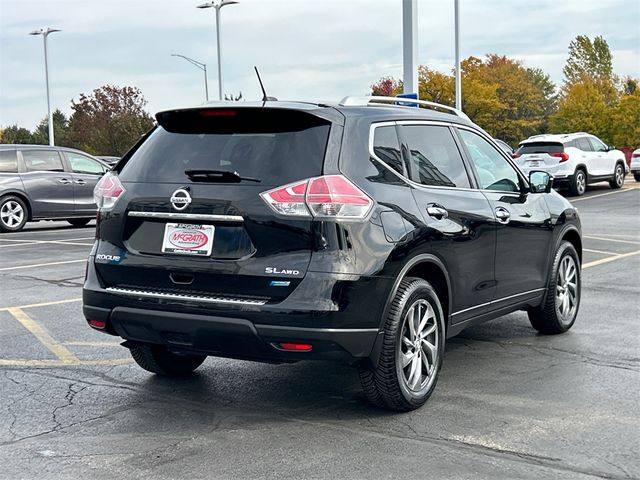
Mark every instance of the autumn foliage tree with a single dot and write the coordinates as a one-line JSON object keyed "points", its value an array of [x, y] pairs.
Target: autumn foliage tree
{"points": [[109, 120]]}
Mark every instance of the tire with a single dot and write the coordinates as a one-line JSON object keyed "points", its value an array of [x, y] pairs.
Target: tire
{"points": [[390, 385], [554, 315], [158, 359], [578, 183], [636, 176], [618, 177], [79, 222], [13, 214]]}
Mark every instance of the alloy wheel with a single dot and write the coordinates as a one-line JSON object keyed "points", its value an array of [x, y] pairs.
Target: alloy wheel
{"points": [[567, 289], [581, 183], [11, 214], [419, 346], [619, 176]]}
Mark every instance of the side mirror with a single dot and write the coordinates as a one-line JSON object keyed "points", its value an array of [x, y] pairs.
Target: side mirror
{"points": [[540, 182], [610, 147]]}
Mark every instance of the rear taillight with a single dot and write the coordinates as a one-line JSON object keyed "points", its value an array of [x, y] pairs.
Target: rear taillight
{"points": [[635, 155], [107, 191], [563, 156], [329, 196], [515, 155]]}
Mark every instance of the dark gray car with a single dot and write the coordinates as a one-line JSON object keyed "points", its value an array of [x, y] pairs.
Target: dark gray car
{"points": [[39, 182]]}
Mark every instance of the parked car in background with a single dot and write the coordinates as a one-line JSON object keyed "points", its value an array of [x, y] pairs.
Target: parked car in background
{"points": [[575, 160], [363, 232], [504, 146], [108, 159], [39, 182], [635, 164]]}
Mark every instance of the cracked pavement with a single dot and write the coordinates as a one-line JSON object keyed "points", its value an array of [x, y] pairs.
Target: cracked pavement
{"points": [[509, 403]]}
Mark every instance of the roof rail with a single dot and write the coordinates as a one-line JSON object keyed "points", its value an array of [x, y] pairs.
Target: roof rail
{"points": [[373, 99]]}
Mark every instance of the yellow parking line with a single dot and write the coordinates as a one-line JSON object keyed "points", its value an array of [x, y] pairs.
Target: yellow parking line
{"points": [[598, 251], [603, 194], [44, 304], [41, 265], [610, 259], [45, 339], [92, 344], [58, 363], [615, 240]]}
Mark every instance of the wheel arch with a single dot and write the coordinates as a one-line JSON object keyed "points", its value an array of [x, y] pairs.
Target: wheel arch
{"points": [[22, 196], [429, 268], [571, 235]]}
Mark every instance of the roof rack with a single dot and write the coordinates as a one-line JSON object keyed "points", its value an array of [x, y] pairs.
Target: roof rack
{"points": [[373, 99]]}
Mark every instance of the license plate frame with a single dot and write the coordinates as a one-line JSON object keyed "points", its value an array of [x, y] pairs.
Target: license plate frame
{"points": [[188, 239]]}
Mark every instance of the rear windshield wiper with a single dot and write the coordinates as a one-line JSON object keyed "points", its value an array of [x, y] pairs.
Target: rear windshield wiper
{"points": [[223, 176]]}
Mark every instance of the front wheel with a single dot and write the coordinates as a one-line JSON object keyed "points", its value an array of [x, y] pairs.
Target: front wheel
{"points": [[79, 222], [562, 299], [412, 349], [158, 359], [636, 176], [618, 177], [13, 214]]}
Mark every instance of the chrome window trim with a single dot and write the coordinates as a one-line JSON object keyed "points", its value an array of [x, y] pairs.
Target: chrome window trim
{"points": [[187, 216], [498, 301], [408, 181]]}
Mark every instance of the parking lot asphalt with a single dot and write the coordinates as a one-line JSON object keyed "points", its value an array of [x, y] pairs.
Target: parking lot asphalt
{"points": [[509, 404]]}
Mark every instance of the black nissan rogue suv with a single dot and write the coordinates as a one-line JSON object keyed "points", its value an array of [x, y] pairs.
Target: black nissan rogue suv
{"points": [[364, 232]]}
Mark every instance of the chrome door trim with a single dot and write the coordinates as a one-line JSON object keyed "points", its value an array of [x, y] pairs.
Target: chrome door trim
{"points": [[498, 301]]}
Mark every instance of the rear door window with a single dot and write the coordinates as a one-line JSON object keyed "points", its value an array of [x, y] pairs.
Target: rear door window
{"points": [[434, 158], [584, 145], [387, 148], [8, 161], [83, 164], [42, 161], [276, 146]]}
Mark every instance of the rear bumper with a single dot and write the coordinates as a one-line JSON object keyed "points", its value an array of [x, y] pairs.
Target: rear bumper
{"points": [[343, 327]]}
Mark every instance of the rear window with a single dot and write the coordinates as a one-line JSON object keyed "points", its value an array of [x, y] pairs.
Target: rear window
{"points": [[8, 161], [540, 147], [275, 146]]}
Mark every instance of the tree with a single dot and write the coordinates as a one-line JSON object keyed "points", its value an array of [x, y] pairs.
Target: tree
{"points": [[625, 120], [60, 130], [109, 120], [588, 59], [582, 109], [387, 87], [435, 86], [15, 134]]}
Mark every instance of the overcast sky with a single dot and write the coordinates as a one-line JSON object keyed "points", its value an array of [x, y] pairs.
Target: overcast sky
{"points": [[305, 49]]}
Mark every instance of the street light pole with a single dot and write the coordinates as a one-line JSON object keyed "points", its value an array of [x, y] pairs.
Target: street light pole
{"points": [[45, 34], [218, 6], [201, 66], [456, 8]]}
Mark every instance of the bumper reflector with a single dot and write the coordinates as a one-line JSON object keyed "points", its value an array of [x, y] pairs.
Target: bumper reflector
{"points": [[296, 347], [100, 324]]}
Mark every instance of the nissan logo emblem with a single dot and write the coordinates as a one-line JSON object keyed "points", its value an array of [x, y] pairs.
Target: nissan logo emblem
{"points": [[180, 199]]}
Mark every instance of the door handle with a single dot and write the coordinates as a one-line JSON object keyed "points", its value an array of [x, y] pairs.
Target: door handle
{"points": [[437, 211], [503, 215], [64, 181], [80, 182]]}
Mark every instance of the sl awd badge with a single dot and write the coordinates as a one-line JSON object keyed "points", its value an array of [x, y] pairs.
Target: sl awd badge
{"points": [[277, 271]]}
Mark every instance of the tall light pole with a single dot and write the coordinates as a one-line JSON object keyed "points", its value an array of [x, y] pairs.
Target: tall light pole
{"points": [[410, 46], [456, 14], [201, 66], [45, 34], [218, 6]]}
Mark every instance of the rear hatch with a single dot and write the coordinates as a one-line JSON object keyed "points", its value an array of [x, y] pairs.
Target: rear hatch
{"points": [[226, 242], [540, 156]]}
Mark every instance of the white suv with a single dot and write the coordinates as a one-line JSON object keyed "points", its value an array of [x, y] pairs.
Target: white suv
{"points": [[574, 160], [635, 164]]}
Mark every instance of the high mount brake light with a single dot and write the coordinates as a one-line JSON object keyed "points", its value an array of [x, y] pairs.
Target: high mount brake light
{"points": [[107, 191], [329, 196], [563, 156], [218, 113]]}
